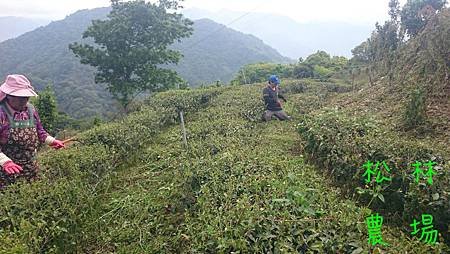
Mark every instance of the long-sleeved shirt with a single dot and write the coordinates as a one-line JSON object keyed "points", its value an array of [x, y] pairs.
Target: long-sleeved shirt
{"points": [[19, 115], [271, 96]]}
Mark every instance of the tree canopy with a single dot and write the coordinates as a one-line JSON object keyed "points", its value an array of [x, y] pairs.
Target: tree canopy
{"points": [[132, 44], [415, 13], [319, 65]]}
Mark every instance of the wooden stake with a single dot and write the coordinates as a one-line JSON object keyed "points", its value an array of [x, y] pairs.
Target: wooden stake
{"points": [[183, 128], [243, 73]]}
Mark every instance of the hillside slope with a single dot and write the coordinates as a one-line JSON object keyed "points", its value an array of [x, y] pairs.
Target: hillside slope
{"points": [[216, 52], [239, 186], [213, 52], [371, 123]]}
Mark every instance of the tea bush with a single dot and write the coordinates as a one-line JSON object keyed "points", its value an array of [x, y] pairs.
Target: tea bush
{"points": [[234, 190], [43, 217], [341, 144], [415, 113], [56, 213], [126, 137], [239, 186]]}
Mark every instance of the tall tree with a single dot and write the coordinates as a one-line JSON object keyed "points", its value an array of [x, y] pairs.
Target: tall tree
{"points": [[412, 16], [394, 9], [132, 45], [361, 53]]}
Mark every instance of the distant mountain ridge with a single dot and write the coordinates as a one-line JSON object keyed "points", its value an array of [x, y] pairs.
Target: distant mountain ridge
{"points": [[213, 52], [237, 49], [287, 36], [11, 27]]}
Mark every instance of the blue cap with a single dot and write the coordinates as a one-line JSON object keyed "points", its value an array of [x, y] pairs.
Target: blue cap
{"points": [[274, 79]]}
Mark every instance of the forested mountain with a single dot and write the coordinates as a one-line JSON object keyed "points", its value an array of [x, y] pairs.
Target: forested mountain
{"points": [[289, 37], [11, 27], [218, 55], [213, 52]]}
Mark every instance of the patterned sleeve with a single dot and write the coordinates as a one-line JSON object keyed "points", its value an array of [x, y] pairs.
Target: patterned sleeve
{"points": [[42, 133], [4, 125]]}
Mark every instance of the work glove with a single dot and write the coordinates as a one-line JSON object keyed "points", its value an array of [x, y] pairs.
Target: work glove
{"points": [[57, 144], [11, 168]]}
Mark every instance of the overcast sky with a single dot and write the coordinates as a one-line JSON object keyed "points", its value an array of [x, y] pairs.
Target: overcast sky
{"points": [[354, 11]]}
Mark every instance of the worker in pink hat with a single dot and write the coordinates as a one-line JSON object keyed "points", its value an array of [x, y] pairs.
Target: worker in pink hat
{"points": [[21, 131]]}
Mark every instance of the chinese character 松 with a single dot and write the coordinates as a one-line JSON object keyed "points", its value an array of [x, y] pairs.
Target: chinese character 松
{"points": [[377, 171]]}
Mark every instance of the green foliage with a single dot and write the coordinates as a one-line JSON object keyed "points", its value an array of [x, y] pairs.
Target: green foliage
{"points": [[47, 108], [319, 65], [260, 72], [323, 65], [240, 186], [53, 120], [341, 144], [52, 62], [416, 13], [425, 59], [361, 53], [62, 212], [379, 51], [302, 70], [132, 44], [321, 58], [44, 217], [126, 137], [394, 9], [322, 72], [415, 113], [387, 54]]}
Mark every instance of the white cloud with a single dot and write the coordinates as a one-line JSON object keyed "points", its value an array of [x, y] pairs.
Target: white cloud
{"points": [[306, 10], [300, 10], [49, 9]]}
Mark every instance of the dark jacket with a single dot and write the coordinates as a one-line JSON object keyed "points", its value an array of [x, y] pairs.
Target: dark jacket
{"points": [[271, 98]]}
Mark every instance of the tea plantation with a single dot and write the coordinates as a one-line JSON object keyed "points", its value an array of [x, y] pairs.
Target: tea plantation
{"points": [[240, 186]]}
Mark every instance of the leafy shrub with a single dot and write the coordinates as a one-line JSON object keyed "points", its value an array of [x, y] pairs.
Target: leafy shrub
{"points": [[260, 72], [341, 144], [303, 71], [44, 218], [415, 111], [322, 73], [56, 214]]}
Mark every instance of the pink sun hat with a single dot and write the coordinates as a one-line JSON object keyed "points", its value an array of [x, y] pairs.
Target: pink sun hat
{"points": [[16, 85]]}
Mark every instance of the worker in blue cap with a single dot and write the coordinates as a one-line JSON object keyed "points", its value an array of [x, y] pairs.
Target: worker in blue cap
{"points": [[271, 99]]}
